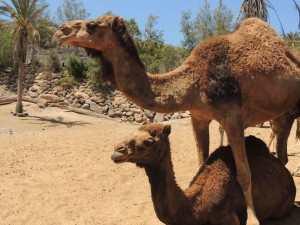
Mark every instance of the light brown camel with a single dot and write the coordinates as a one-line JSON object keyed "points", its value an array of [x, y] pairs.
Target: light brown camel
{"points": [[240, 79], [214, 196]]}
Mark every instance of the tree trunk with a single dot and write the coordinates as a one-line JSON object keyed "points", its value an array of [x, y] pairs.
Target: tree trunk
{"points": [[22, 53], [19, 106]]}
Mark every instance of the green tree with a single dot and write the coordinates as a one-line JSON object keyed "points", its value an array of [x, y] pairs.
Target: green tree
{"points": [[188, 31], [223, 18], [151, 46], [133, 29], [208, 22], [6, 48], [71, 10], [23, 16]]}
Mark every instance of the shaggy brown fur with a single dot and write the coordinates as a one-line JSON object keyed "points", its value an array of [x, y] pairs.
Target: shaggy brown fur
{"points": [[239, 79], [214, 196]]}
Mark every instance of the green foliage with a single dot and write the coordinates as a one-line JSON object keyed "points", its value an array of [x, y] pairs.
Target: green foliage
{"points": [[293, 39], [133, 29], [188, 31], [94, 73], [151, 46], [76, 67], [71, 10], [53, 62], [208, 22], [6, 48], [67, 81]]}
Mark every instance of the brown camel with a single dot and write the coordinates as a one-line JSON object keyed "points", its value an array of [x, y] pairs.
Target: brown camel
{"points": [[214, 196], [240, 79]]}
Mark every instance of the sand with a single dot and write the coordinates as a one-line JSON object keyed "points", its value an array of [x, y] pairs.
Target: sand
{"points": [[55, 169]]}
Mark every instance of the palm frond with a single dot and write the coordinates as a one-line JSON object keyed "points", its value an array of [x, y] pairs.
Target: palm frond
{"points": [[255, 8], [297, 5]]}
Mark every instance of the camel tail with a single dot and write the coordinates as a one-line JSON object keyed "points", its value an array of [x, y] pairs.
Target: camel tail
{"points": [[298, 129]]}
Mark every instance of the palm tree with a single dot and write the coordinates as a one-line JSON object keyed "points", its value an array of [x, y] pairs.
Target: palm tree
{"points": [[23, 16], [260, 8], [255, 8]]}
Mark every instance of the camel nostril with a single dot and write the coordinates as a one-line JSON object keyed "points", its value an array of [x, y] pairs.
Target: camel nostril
{"points": [[122, 150]]}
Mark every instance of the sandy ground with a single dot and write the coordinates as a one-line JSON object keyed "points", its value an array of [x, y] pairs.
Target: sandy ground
{"points": [[55, 169]]}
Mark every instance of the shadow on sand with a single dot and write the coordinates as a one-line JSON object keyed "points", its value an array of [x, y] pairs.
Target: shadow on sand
{"points": [[56, 121], [292, 219]]}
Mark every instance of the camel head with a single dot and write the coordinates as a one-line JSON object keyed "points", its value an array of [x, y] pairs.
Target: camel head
{"points": [[145, 147], [98, 37]]}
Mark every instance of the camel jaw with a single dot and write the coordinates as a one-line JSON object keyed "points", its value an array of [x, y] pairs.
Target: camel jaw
{"points": [[119, 157]]}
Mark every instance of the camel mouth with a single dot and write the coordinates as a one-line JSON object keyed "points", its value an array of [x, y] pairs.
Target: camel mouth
{"points": [[119, 157]]}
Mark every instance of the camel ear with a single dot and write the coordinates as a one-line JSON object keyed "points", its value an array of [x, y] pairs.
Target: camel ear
{"points": [[167, 130], [118, 23]]}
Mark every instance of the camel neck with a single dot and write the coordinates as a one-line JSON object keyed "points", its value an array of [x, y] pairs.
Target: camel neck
{"points": [[170, 203], [169, 92]]}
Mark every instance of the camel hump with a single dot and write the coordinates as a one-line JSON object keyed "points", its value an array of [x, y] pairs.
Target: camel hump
{"points": [[255, 26]]}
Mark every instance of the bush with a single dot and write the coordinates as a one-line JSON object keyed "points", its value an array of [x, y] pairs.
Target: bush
{"points": [[94, 73], [53, 62], [6, 49], [67, 82], [76, 67]]}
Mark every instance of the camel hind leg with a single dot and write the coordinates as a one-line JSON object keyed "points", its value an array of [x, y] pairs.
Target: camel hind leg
{"points": [[234, 128], [281, 128]]}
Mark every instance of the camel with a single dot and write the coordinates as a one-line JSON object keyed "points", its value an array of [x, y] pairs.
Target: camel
{"points": [[239, 79], [214, 196]]}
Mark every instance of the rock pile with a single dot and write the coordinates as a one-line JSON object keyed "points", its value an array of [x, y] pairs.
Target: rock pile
{"points": [[47, 92]]}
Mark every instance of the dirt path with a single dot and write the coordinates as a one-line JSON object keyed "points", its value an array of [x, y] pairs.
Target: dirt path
{"points": [[56, 170]]}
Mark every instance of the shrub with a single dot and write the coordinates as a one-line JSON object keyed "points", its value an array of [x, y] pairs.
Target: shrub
{"points": [[94, 73], [76, 67], [53, 62], [67, 82], [6, 49]]}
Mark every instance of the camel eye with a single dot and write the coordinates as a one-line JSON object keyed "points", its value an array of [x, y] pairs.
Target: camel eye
{"points": [[148, 142], [91, 26]]}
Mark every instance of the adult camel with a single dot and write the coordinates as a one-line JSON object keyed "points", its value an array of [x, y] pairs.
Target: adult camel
{"points": [[240, 79]]}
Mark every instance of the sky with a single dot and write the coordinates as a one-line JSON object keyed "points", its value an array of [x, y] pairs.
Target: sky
{"points": [[169, 12]]}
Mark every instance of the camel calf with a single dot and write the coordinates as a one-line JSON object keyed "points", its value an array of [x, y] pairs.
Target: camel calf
{"points": [[214, 196]]}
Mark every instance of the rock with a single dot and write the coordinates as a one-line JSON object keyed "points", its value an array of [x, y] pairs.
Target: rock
{"points": [[85, 106], [149, 114], [50, 98], [159, 117], [35, 88], [32, 94], [82, 95], [42, 103], [176, 116], [129, 113], [138, 118], [94, 107]]}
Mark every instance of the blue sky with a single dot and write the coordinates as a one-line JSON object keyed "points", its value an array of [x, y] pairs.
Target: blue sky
{"points": [[169, 12]]}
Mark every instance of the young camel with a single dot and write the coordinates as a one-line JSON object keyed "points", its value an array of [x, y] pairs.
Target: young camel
{"points": [[214, 196], [240, 79]]}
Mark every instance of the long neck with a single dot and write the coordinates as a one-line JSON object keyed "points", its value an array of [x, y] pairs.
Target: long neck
{"points": [[170, 203], [168, 92]]}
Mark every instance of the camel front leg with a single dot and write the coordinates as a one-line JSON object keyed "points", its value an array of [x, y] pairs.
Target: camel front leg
{"points": [[201, 133], [235, 133]]}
